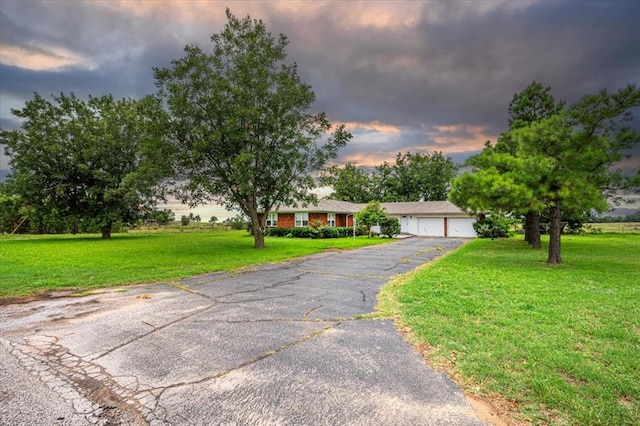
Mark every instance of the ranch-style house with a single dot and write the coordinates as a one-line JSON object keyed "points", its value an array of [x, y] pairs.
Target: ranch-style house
{"points": [[421, 218]]}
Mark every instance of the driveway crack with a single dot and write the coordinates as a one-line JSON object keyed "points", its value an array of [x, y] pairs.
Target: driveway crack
{"points": [[84, 385], [274, 285], [155, 329], [249, 362]]}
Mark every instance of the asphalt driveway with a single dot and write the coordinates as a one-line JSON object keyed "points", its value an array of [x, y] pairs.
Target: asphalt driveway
{"points": [[280, 344]]}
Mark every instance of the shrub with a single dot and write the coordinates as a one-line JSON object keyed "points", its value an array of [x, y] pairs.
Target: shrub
{"points": [[374, 214], [309, 232], [390, 227], [591, 229], [494, 226], [371, 215]]}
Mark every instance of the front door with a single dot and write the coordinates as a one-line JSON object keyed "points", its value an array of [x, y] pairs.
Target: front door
{"points": [[404, 225]]}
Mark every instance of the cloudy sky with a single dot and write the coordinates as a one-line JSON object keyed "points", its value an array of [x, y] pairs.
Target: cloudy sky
{"points": [[417, 76]]}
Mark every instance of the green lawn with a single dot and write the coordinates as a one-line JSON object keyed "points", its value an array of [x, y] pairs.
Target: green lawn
{"points": [[33, 264], [556, 344]]}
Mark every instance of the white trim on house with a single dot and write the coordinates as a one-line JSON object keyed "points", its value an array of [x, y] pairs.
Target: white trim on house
{"points": [[331, 219], [272, 220], [302, 219]]}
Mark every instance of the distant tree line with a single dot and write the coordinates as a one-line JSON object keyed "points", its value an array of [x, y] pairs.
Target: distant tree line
{"points": [[413, 177], [632, 217]]}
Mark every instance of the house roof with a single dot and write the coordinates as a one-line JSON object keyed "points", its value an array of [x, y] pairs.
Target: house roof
{"points": [[422, 207], [324, 206], [399, 208]]}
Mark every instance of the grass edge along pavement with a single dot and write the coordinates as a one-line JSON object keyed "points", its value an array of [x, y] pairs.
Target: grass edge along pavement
{"points": [[36, 264], [545, 344]]}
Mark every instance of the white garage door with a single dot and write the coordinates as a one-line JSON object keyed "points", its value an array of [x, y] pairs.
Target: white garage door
{"points": [[461, 227], [431, 227]]}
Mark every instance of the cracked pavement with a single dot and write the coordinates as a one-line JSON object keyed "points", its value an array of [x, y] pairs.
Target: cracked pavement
{"points": [[279, 344]]}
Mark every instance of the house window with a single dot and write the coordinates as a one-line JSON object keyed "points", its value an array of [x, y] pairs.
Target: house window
{"points": [[302, 219], [331, 219], [272, 220]]}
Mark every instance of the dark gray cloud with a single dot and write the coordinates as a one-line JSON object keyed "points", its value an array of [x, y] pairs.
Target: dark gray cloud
{"points": [[466, 69], [417, 75]]}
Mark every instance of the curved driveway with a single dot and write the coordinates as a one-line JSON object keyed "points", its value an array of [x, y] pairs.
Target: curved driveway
{"points": [[281, 344]]}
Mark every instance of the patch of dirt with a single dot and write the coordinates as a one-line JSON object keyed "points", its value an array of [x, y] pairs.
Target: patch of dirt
{"points": [[45, 295], [115, 411], [575, 382], [486, 411], [35, 297], [627, 401]]}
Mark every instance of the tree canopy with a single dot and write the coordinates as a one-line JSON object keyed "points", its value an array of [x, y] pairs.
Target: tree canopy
{"points": [[241, 126], [413, 177], [93, 162], [349, 183], [561, 162]]}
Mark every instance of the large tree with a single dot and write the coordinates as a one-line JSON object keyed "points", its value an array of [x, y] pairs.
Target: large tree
{"points": [[498, 173], [413, 177], [349, 183], [420, 177], [96, 162], [533, 104], [241, 126], [576, 152], [562, 164]]}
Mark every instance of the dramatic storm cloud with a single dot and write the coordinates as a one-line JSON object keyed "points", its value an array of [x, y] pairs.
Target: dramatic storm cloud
{"points": [[402, 76]]}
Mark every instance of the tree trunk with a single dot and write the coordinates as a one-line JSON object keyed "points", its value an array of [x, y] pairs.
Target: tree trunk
{"points": [[106, 231], [527, 227], [555, 230], [258, 236], [532, 229], [534, 238], [257, 225]]}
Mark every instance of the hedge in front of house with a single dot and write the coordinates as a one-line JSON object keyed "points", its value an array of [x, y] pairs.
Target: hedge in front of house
{"points": [[308, 232]]}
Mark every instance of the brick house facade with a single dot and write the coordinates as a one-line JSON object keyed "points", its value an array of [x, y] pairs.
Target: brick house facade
{"points": [[425, 218]]}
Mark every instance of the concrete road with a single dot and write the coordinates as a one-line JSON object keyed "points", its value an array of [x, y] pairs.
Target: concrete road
{"points": [[279, 344]]}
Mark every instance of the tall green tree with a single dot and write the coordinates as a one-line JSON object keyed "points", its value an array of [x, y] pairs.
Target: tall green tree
{"points": [[413, 177], [383, 183], [562, 163], [93, 162], [349, 183], [576, 152], [533, 104], [420, 177], [241, 126]]}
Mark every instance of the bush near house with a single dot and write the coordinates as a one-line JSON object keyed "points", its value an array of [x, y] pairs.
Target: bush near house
{"points": [[311, 232], [493, 226], [374, 214], [390, 227]]}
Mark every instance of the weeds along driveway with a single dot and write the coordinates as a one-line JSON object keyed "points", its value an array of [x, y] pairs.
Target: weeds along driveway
{"points": [[277, 344]]}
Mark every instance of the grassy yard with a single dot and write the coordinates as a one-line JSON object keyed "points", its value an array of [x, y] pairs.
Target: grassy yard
{"points": [[33, 264], [547, 344]]}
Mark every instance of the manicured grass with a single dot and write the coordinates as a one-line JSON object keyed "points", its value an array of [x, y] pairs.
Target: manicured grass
{"points": [[552, 344], [33, 264]]}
